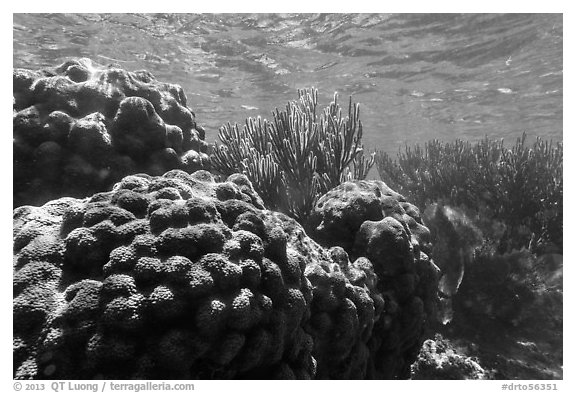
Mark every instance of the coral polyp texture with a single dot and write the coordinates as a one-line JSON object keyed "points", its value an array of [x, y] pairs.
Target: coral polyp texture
{"points": [[384, 235], [183, 277], [80, 127]]}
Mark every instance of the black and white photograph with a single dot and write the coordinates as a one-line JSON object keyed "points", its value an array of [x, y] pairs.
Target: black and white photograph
{"points": [[209, 196]]}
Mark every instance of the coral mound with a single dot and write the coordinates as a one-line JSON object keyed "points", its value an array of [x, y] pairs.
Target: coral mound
{"points": [[79, 128], [183, 277], [376, 225], [163, 277]]}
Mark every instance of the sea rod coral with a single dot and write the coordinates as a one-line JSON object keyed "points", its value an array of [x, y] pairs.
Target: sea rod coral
{"points": [[297, 156], [521, 185], [182, 277], [80, 127]]}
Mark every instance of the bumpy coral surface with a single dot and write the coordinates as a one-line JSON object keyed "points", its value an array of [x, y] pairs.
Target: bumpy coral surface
{"points": [[182, 277], [164, 277], [377, 227], [80, 127], [439, 359]]}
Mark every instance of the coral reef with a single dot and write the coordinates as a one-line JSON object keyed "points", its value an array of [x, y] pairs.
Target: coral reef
{"points": [[439, 359], [182, 277], [495, 216], [506, 307], [299, 155], [80, 127], [378, 228], [522, 186], [163, 277], [516, 291], [511, 306]]}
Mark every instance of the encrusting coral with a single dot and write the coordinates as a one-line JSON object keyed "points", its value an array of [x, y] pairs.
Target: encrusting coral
{"points": [[79, 128], [182, 277]]}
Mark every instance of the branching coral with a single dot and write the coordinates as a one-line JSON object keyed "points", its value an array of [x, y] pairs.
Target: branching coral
{"points": [[297, 156], [79, 128], [521, 186]]}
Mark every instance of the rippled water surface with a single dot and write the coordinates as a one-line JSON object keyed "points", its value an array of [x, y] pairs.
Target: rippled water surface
{"points": [[417, 76]]}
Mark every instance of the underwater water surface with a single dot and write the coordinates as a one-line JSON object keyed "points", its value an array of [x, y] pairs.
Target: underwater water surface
{"points": [[416, 76]]}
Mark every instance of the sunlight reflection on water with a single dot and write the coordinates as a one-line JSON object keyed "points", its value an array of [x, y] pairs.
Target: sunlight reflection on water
{"points": [[417, 76]]}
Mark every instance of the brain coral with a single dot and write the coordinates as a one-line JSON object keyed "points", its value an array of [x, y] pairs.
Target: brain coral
{"points": [[182, 277], [79, 128]]}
